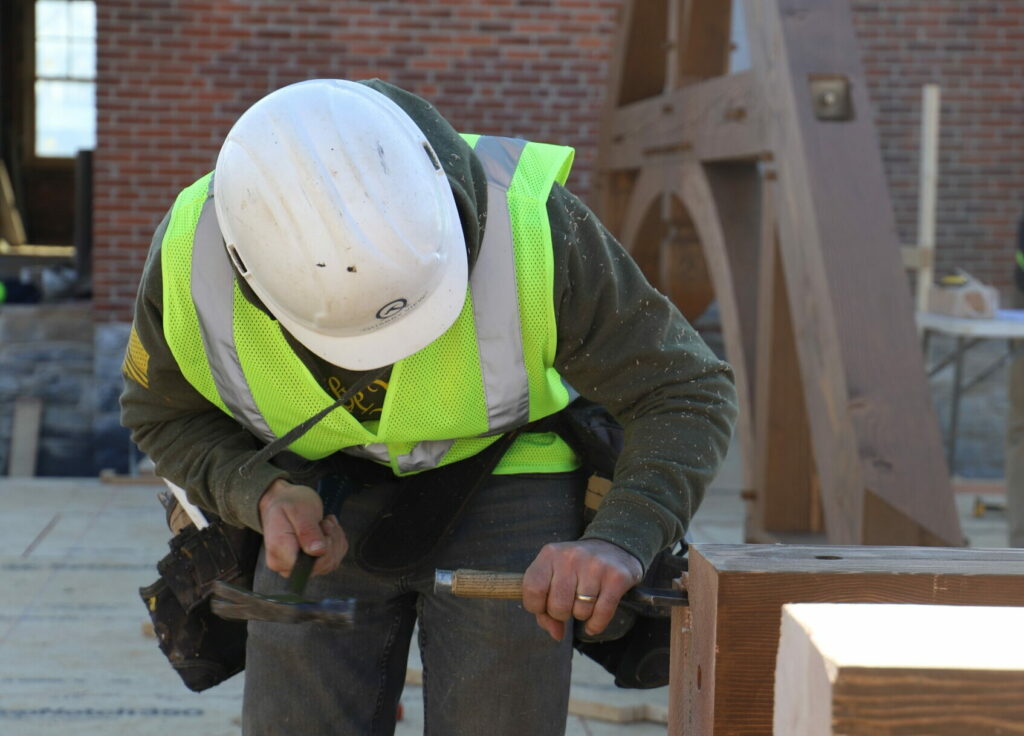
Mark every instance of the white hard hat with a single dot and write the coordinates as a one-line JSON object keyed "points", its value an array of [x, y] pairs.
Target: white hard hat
{"points": [[335, 209]]}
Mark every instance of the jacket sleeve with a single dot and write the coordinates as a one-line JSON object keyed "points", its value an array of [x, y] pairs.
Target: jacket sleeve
{"points": [[623, 344], [193, 443]]}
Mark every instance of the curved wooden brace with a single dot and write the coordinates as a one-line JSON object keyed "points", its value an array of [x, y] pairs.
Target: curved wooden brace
{"points": [[647, 188], [663, 240], [687, 181], [695, 193]]}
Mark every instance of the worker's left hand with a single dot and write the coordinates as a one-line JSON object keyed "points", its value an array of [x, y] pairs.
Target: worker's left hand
{"points": [[589, 567]]}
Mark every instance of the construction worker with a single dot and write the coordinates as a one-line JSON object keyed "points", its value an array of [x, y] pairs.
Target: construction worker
{"points": [[349, 239]]}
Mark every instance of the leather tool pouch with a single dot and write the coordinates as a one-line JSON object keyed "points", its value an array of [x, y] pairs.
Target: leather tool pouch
{"points": [[203, 649], [639, 656]]}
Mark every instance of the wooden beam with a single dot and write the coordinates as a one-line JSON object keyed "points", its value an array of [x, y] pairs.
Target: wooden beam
{"points": [[878, 467], [681, 645], [737, 191], [736, 188], [641, 52], [862, 669], [715, 120], [36, 251], [872, 419], [915, 257], [736, 596], [11, 226], [928, 187], [28, 417], [784, 475], [694, 252], [662, 239], [611, 713], [586, 708], [702, 38]]}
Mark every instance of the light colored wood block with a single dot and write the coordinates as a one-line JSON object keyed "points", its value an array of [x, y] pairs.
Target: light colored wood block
{"points": [[863, 669]]}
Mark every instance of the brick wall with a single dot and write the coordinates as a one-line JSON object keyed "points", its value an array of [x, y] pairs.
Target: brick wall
{"points": [[174, 74], [975, 51]]}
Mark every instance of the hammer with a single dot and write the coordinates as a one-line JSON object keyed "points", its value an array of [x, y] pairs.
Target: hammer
{"points": [[233, 602]]}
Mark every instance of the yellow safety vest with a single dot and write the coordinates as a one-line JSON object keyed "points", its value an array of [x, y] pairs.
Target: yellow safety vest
{"points": [[492, 371]]}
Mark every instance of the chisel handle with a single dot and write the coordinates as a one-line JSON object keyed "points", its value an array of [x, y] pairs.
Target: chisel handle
{"points": [[480, 584], [301, 571], [333, 490]]}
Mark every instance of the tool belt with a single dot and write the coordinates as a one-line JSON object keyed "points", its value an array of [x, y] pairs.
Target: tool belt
{"points": [[634, 647], [203, 649]]}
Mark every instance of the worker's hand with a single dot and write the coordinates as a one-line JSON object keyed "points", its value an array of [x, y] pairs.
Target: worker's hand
{"points": [[292, 515], [589, 567]]}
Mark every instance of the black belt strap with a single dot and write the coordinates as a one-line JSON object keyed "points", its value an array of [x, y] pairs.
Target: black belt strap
{"points": [[424, 509]]}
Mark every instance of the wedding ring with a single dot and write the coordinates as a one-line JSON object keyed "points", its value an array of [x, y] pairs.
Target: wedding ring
{"points": [[585, 598]]}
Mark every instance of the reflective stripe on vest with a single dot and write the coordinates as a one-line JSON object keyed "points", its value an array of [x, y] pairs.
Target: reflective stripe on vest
{"points": [[213, 294], [495, 312]]}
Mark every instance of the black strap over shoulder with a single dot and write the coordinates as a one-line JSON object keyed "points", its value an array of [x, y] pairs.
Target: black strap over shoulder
{"points": [[423, 509]]}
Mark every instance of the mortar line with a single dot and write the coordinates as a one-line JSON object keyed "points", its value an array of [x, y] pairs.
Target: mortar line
{"points": [[88, 528], [41, 535]]}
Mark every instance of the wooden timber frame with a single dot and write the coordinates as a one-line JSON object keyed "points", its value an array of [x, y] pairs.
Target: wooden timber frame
{"points": [[765, 190], [725, 644]]}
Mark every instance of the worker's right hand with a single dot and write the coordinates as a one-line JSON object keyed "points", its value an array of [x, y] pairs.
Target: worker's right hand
{"points": [[291, 516]]}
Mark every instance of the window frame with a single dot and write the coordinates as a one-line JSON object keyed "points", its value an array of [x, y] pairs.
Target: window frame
{"points": [[29, 79]]}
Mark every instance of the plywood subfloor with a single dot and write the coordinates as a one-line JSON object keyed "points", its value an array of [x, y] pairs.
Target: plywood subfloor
{"points": [[73, 656], [74, 660]]}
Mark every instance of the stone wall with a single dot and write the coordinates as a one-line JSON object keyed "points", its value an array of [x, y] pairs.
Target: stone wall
{"points": [[53, 352], [112, 446], [56, 353]]}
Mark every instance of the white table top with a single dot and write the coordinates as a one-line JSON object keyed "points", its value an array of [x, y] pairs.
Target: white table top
{"points": [[1008, 324]]}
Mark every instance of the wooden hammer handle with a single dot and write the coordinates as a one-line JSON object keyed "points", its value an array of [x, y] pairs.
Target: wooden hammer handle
{"points": [[487, 584]]}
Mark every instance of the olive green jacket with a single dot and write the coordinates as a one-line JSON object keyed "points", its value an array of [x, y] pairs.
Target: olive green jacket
{"points": [[621, 343]]}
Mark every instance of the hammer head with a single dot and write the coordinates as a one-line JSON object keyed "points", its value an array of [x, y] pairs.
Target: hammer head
{"points": [[231, 602]]}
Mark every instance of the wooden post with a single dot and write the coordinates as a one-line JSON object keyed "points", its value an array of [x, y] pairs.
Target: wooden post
{"points": [[683, 143], [786, 499], [28, 417], [928, 182]]}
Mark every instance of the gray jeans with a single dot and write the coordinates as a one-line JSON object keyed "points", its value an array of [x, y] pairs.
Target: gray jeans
{"points": [[487, 667]]}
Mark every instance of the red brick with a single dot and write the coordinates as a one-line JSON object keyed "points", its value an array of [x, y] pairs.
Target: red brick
{"points": [[175, 75]]}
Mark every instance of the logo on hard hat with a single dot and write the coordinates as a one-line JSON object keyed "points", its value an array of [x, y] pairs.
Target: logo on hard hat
{"points": [[391, 309]]}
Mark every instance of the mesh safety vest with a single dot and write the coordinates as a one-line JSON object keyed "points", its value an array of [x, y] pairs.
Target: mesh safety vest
{"points": [[492, 371]]}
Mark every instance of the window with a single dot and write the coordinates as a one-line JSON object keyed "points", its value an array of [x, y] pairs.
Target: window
{"points": [[65, 77]]}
